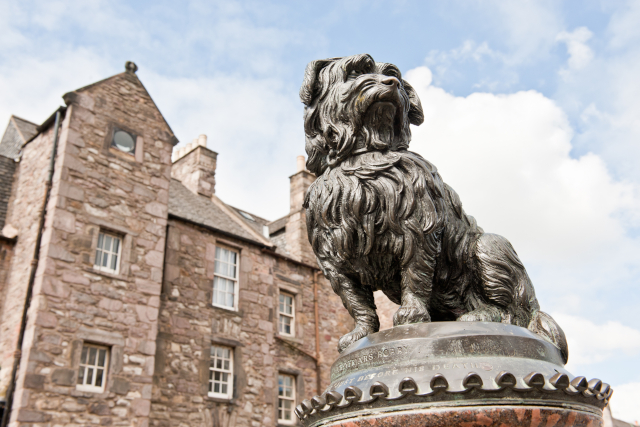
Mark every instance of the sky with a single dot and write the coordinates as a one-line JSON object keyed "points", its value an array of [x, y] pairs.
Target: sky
{"points": [[532, 113]]}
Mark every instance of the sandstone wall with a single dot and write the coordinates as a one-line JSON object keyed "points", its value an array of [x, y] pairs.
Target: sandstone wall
{"points": [[97, 187], [189, 324], [23, 214], [6, 256]]}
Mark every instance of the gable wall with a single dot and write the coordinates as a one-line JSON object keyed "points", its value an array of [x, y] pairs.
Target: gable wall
{"points": [[99, 188]]}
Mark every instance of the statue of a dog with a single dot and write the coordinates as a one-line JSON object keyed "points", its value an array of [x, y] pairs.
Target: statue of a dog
{"points": [[379, 217]]}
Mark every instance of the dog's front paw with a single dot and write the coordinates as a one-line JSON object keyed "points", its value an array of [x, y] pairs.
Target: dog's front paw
{"points": [[411, 314], [353, 336]]}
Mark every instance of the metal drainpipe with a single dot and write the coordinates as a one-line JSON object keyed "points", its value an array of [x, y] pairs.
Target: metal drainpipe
{"points": [[315, 307], [32, 275]]}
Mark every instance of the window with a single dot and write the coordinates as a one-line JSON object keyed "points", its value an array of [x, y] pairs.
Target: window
{"points": [[225, 280], [247, 216], [124, 141], [92, 374], [286, 398], [108, 253], [286, 311], [221, 372]]}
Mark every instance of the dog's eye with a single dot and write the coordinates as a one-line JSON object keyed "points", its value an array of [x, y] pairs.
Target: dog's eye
{"points": [[355, 73]]}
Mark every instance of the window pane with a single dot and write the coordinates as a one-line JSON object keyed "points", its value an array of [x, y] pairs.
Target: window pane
{"points": [[107, 242], [98, 257], [233, 258], [81, 375], [99, 373], [114, 262], [116, 245], [83, 357], [89, 379], [105, 259], [101, 356], [100, 237], [221, 268], [229, 302], [92, 356]]}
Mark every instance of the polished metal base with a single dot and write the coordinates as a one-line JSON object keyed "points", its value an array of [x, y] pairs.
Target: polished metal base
{"points": [[451, 365]]}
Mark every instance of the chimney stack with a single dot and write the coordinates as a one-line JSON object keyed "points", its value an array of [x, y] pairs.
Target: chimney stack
{"points": [[194, 165], [300, 164], [296, 229]]}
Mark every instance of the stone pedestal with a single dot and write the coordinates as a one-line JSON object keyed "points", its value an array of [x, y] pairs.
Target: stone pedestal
{"points": [[455, 374]]}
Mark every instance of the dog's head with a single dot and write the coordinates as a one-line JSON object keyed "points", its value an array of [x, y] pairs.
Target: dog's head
{"points": [[353, 105]]}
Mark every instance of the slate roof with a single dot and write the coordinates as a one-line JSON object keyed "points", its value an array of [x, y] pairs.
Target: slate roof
{"points": [[252, 220], [17, 133], [7, 169], [200, 210], [278, 224]]}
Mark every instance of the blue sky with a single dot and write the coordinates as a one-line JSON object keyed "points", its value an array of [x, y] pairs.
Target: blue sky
{"points": [[532, 115]]}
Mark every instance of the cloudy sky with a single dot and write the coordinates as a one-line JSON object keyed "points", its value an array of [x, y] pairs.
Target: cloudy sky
{"points": [[532, 114]]}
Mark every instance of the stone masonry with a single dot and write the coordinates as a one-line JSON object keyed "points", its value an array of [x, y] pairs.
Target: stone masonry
{"points": [[95, 188], [155, 314]]}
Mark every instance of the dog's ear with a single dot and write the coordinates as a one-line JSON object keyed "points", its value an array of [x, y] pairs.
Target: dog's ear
{"points": [[310, 78], [416, 115]]}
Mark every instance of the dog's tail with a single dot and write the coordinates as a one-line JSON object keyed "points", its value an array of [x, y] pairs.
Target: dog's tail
{"points": [[544, 325]]}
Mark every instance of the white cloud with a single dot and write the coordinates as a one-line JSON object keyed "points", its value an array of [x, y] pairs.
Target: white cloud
{"points": [[254, 125], [509, 158], [624, 402], [591, 343], [32, 87], [529, 27], [580, 54]]}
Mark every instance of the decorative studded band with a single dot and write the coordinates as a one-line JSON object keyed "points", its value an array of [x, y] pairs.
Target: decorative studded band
{"points": [[595, 391]]}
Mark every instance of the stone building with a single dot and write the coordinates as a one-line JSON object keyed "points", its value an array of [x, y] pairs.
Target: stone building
{"points": [[131, 295]]}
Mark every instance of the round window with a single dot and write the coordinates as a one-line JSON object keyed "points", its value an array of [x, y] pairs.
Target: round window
{"points": [[124, 141]]}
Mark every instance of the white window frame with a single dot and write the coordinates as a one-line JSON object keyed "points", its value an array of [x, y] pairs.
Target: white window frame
{"points": [[291, 316], [233, 279], [84, 367], [229, 372], [282, 398], [118, 254]]}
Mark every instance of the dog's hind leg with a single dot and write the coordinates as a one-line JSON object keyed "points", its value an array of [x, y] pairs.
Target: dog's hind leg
{"points": [[359, 302], [500, 293]]}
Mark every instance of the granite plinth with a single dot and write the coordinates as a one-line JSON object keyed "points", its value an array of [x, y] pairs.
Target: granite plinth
{"points": [[522, 416], [454, 371]]}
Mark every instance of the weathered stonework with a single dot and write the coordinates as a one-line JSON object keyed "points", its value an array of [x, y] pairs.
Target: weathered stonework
{"points": [[196, 168], [95, 187], [6, 255], [23, 213], [297, 243], [155, 315]]}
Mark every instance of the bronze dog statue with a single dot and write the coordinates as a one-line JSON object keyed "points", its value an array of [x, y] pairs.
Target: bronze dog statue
{"points": [[380, 217]]}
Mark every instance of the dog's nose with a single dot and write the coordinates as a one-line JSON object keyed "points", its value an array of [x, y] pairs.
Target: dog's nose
{"points": [[391, 81]]}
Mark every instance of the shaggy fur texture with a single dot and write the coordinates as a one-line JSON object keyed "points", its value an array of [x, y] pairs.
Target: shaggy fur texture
{"points": [[380, 217]]}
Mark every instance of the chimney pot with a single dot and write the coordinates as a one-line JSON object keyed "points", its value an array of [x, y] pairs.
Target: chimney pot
{"points": [[202, 140], [300, 163]]}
